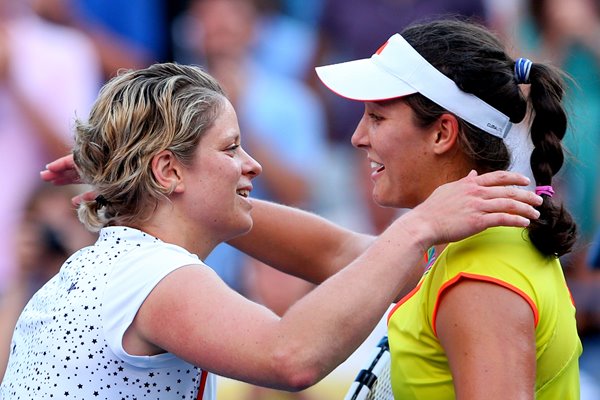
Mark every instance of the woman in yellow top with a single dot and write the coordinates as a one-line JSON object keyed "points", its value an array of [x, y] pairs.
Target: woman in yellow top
{"points": [[492, 317]]}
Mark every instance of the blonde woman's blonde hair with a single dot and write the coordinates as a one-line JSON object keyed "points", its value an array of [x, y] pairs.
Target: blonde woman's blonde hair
{"points": [[138, 114]]}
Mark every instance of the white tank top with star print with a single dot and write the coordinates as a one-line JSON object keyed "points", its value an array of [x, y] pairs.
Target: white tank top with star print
{"points": [[68, 341]]}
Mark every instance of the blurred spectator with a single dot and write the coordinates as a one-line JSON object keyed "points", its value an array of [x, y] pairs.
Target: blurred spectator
{"points": [[48, 233], [48, 75], [276, 32], [127, 34], [307, 11], [504, 18], [281, 44]]}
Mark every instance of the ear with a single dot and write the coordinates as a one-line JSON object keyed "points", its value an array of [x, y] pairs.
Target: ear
{"points": [[168, 171], [446, 135]]}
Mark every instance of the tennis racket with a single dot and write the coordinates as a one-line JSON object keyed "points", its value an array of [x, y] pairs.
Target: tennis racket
{"points": [[373, 382]]}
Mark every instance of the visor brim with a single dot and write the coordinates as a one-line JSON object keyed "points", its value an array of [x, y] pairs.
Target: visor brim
{"points": [[362, 80]]}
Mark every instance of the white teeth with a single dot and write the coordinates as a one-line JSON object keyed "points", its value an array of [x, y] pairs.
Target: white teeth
{"points": [[243, 193], [376, 165]]}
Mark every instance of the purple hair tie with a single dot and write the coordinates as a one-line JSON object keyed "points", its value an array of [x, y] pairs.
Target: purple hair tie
{"points": [[547, 190]]}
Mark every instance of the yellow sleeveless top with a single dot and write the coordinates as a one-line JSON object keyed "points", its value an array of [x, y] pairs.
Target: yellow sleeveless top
{"points": [[504, 256]]}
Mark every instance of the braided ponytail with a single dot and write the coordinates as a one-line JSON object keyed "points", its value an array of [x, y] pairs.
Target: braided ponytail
{"points": [[555, 232]]}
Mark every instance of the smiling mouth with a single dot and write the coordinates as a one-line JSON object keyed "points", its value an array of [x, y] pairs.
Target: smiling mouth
{"points": [[377, 167]]}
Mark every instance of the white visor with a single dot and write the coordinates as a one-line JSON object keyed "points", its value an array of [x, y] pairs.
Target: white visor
{"points": [[398, 70]]}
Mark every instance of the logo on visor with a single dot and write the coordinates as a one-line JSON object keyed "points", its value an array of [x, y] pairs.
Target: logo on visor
{"points": [[381, 48], [494, 127]]}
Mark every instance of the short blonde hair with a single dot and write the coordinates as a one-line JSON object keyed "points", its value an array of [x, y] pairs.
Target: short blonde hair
{"points": [[138, 114]]}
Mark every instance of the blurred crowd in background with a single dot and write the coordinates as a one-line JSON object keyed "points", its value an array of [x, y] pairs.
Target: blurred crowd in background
{"points": [[56, 54]]}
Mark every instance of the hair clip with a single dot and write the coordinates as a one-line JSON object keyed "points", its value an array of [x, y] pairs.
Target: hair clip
{"points": [[101, 200]]}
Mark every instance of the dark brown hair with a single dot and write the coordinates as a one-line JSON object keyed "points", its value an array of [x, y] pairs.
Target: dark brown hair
{"points": [[477, 62]]}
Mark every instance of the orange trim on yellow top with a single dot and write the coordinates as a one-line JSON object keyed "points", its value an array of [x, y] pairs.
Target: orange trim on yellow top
{"points": [[404, 300], [464, 275], [571, 295]]}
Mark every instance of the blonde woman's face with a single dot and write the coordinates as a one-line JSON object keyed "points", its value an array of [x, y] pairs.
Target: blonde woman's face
{"points": [[219, 182]]}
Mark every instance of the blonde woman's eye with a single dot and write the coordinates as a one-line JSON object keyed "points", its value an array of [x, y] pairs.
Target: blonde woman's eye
{"points": [[233, 147]]}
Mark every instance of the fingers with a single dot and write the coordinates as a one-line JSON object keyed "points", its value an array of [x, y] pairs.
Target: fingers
{"points": [[65, 177], [49, 176], [61, 164], [510, 192], [500, 219], [500, 178], [498, 204], [87, 196], [61, 171], [76, 201], [511, 207], [460, 209]]}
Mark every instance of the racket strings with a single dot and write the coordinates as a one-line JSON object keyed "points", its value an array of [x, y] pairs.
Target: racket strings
{"points": [[373, 382], [382, 390]]}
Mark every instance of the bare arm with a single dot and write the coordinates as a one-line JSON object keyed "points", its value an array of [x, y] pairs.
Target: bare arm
{"points": [[491, 353], [215, 328], [300, 243]]}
